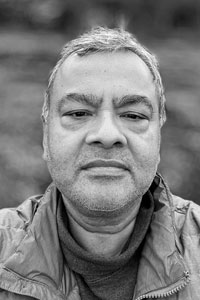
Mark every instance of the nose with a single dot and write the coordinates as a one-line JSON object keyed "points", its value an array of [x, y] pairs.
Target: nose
{"points": [[106, 132]]}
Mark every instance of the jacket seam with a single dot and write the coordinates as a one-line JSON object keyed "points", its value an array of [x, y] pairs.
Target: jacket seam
{"points": [[18, 276], [12, 227]]}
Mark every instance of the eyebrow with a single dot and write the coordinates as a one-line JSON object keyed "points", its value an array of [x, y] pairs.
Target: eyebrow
{"points": [[94, 101], [86, 99], [133, 99]]}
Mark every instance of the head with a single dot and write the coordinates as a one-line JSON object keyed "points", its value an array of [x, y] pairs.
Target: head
{"points": [[102, 115]]}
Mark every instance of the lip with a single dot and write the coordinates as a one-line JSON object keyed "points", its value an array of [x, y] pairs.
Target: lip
{"points": [[101, 163]]}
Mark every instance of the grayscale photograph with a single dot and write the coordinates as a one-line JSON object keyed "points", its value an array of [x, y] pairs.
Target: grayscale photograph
{"points": [[99, 150]]}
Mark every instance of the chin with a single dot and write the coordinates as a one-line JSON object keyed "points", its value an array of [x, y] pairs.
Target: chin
{"points": [[105, 198], [105, 202]]}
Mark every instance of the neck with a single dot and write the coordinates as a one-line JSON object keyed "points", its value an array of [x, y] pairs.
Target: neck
{"points": [[107, 240]]}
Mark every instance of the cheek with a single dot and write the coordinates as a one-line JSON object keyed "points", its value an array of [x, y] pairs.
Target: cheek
{"points": [[64, 146], [145, 149]]}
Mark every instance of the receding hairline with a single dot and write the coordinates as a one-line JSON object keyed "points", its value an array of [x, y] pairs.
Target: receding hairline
{"points": [[91, 53]]}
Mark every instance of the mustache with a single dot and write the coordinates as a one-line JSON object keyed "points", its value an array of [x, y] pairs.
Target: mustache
{"points": [[110, 157], [105, 163]]}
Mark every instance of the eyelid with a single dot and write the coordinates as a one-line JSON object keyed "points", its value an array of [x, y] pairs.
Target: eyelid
{"points": [[71, 112], [136, 114]]}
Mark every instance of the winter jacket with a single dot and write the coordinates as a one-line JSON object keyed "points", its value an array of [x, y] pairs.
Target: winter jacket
{"points": [[32, 265]]}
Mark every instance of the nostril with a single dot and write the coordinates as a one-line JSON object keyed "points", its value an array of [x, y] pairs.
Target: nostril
{"points": [[107, 145], [97, 142], [106, 140], [119, 144]]}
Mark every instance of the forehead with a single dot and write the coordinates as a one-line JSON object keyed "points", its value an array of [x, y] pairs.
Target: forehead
{"points": [[99, 73]]}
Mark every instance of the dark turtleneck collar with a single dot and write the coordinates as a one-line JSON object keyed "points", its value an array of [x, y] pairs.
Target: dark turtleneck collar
{"points": [[106, 278]]}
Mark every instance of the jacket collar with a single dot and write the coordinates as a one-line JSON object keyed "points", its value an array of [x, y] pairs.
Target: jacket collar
{"points": [[161, 264]]}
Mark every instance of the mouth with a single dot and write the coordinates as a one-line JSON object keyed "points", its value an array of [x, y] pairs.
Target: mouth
{"points": [[101, 167]]}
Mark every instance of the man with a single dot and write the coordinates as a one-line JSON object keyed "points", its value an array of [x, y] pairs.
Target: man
{"points": [[108, 226]]}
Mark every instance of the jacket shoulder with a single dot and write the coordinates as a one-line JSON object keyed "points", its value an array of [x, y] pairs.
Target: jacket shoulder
{"points": [[5, 295], [187, 217], [190, 209], [13, 225], [17, 217], [187, 221], [185, 204]]}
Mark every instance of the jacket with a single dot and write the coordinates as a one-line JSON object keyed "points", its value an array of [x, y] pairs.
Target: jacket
{"points": [[32, 265]]}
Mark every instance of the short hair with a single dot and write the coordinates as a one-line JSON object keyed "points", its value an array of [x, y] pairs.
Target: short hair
{"points": [[103, 39]]}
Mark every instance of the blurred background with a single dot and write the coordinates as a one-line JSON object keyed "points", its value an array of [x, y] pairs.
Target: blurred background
{"points": [[31, 36]]}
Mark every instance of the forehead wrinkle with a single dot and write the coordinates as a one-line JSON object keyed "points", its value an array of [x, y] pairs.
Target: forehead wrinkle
{"points": [[132, 99]]}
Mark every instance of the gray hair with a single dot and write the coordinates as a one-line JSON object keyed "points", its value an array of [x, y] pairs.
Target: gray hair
{"points": [[102, 39]]}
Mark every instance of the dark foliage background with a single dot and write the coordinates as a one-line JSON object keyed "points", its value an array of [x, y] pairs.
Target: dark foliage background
{"points": [[31, 36]]}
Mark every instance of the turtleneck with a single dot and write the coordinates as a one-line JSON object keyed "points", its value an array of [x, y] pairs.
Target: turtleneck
{"points": [[106, 278]]}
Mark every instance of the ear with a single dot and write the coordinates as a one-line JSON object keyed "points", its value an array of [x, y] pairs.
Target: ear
{"points": [[158, 159], [45, 142], [158, 162]]}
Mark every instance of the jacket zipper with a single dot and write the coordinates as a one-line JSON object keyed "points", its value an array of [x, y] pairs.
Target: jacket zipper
{"points": [[168, 291]]}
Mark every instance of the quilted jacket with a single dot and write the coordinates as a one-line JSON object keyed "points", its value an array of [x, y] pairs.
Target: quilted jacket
{"points": [[32, 265]]}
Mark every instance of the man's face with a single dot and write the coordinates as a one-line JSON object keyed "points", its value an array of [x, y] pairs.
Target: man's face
{"points": [[102, 138]]}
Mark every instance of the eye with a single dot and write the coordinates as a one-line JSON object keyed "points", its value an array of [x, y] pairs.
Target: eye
{"points": [[133, 116], [78, 114]]}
